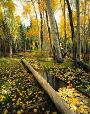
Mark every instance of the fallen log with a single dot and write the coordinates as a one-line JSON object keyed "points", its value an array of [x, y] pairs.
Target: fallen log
{"points": [[83, 65], [60, 104]]}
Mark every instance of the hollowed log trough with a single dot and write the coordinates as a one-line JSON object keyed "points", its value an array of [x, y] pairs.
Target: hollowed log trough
{"points": [[60, 104]]}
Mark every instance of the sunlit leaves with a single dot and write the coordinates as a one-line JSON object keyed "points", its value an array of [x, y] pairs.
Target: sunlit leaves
{"points": [[5, 111], [34, 22], [16, 27], [1, 31], [62, 28], [42, 6], [2, 98], [33, 30], [74, 19], [1, 13], [84, 20], [9, 5], [55, 4], [27, 9], [77, 101]]}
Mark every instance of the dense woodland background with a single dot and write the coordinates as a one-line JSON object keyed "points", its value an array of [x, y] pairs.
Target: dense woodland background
{"points": [[69, 36]]}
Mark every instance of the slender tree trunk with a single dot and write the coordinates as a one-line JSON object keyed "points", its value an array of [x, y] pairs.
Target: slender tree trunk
{"points": [[0, 47], [72, 30], [41, 31], [65, 37], [54, 31], [49, 31], [89, 28], [39, 39], [78, 29], [41, 27], [11, 52], [34, 10], [25, 48], [85, 28]]}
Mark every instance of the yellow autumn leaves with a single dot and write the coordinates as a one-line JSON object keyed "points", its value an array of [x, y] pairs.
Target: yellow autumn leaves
{"points": [[9, 4], [42, 5], [1, 13], [26, 9], [77, 101], [33, 31], [1, 98]]}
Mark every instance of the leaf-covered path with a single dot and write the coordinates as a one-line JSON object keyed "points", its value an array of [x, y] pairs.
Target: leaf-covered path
{"points": [[19, 92]]}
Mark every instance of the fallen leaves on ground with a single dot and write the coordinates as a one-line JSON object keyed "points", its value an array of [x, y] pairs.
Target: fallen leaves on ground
{"points": [[67, 72], [78, 102], [19, 91]]}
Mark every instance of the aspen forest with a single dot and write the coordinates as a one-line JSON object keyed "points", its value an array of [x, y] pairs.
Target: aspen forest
{"points": [[44, 56]]}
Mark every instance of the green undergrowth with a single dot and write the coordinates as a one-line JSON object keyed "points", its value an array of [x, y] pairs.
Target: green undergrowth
{"points": [[3, 61]]}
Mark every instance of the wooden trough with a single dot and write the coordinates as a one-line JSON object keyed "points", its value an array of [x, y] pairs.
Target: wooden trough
{"points": [[60, 104]]}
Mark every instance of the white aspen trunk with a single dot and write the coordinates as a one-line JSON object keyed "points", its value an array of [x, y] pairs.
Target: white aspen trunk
{"points": [[39, 39], [54, 32]]}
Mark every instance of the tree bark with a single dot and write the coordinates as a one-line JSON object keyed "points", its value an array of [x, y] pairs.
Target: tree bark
{"points": [[78, 29], [11, 49], [25, 47], [49, 31], [72, 30], [39, 39], [41, 31], [41, 28], [54, 32], [65, 35], [0, 47]]}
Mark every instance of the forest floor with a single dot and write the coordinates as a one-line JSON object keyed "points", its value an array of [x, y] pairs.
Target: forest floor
{"points": [[19, 91], [14, 76], [78, 80]]}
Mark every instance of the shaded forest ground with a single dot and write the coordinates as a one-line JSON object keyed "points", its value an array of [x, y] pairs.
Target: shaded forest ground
{"points": [[76, 78], [77, 92], [66, 71], [13, 76], [19, 91]]}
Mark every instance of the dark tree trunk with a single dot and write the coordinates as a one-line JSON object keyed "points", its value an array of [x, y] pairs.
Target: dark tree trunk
{"points": [[74, 48], [41, 31], [78, 29]]}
